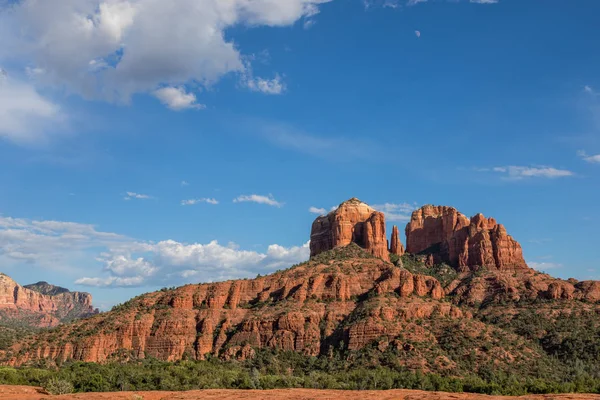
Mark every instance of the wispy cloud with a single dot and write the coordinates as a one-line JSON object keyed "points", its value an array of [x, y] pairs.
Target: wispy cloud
{"points": [[133, 195], [543, 266], [268, 86], [184, 183], [594, 159], [399, 212], [318, 211], [256, 198], [513, 172], [324, 146], [192, 202]]}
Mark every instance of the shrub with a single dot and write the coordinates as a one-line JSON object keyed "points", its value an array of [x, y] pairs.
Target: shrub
{"points": [[58, 386]]}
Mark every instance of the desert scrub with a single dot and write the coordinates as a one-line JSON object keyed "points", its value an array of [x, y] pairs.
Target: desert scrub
{"points": [[57, 386]]}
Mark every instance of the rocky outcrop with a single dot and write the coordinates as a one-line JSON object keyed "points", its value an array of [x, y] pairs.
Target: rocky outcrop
{"points": [[396, 246], [466, 244], [300, 309], [501, 287], [352, 222], [41, 304]]}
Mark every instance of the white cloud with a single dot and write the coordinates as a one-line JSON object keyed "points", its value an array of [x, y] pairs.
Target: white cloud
{"points": [[308, 23], [256, 198], [25, 115], [588, 89], [112, 49], [69, 246], [170, 262], [177, 99], [513, 172], [484, 1], [266, 86], [396, 212], [418, 34], [133, 195], [192, 202], [319, 211], [50, 244], [184, 183], [594, 159]]}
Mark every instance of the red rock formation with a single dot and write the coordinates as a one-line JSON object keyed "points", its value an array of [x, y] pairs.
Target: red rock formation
{"points": [[42, 310], [396, 246], [466, 244], [352, 222], [297, 310]]}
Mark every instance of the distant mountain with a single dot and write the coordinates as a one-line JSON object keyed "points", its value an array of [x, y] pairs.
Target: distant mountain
{"points": [[460, 301], [46, 288], [41, 305]]}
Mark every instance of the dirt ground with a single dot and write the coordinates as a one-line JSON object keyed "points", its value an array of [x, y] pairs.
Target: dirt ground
{"points": [[32, 393]]}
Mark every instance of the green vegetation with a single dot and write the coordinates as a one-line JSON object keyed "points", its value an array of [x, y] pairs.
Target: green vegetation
{"points": [[58, 386], [415, 264], [269, 370]]}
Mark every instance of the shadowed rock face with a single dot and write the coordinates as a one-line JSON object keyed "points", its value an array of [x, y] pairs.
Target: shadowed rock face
{"points": [[41, 304], [352, 222], [302, 309], [466, 244], [349, 297]]}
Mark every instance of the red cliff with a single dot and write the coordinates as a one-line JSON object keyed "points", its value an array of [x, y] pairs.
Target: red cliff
{"points": [[352, 222], [465, 244], [35, 305]]}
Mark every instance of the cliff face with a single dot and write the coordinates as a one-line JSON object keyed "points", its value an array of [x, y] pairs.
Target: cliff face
{"points": [[466, 244], [348, 297], [352, 222], [323, 302], [30, 305]]}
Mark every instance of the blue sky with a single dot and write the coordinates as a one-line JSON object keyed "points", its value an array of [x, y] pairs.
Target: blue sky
{"points": [[252, 112]]}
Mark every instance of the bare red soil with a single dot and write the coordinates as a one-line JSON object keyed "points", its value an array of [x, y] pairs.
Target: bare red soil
{"points": [[33, 393]]}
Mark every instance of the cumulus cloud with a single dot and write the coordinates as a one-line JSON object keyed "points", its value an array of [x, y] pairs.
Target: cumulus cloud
{"points": [[513, 172], [400, 212], [192, 202], [124, 262], [256, 198], [593, 159], [112, 49], [133, 195], [171, 262], [177, 99], [25, 115]]}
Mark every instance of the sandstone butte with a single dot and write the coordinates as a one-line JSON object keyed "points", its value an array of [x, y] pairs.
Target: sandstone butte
{"points": [[354, 222], [41, 304], [464, 243], [347, 295]]}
